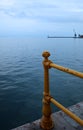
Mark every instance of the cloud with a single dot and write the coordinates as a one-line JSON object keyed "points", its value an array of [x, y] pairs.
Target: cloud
{"points": [[40, 15], [6, 3], [41, 10]]}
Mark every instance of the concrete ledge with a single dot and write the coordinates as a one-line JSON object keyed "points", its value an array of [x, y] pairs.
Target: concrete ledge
{"points": [[60, 119]]}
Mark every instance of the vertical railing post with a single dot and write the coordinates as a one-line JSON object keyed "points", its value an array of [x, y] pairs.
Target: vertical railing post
{"points": [[46, 121]]}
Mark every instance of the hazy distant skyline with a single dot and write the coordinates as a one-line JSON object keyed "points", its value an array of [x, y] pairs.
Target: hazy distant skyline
{"points": [[40, 17]]}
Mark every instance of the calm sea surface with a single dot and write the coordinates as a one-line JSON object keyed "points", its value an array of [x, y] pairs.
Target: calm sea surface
{"points": [[21, 77]]}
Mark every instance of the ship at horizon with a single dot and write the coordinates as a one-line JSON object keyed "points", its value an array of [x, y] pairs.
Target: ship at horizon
{"points": [[77, 36]]}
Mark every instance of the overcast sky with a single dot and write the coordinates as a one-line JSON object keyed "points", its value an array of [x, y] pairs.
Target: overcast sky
{"points": [[40, 17]]}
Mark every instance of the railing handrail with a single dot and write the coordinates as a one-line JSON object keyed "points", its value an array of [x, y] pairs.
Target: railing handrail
{"points": [[65, 110], [67, 70], [46, 121]]}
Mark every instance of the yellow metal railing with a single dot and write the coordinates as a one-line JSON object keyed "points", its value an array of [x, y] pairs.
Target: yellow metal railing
{"points": [[46, 121]]}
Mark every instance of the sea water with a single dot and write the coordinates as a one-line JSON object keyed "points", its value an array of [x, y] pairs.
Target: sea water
{"points": [[22, 77]]}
